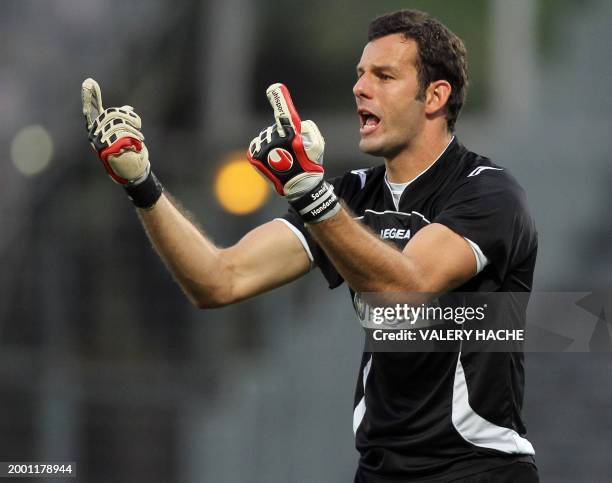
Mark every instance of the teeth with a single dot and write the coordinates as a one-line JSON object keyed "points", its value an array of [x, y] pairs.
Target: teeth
{"points": [[368, 119]]}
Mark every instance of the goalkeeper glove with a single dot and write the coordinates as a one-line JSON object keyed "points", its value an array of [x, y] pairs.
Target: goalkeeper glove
{"points": [[115, 135], [290, 154]]}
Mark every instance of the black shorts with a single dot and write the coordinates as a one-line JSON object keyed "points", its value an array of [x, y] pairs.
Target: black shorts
{"points": [[515, 472], [512, 473]]}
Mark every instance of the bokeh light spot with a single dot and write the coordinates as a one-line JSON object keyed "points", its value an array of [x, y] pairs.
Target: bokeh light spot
{"points": [[239, 188], [31, 150]]}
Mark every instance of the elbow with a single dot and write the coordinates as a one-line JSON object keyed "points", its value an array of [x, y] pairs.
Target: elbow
{"points": [[214, 290], [208, 298], [206, 304], [208, 301]]}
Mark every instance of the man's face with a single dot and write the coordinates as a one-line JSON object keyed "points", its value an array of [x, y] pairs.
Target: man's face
{"points": [[385, 92]]}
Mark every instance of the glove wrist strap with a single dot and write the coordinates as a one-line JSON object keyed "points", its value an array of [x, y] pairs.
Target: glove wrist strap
{"points": [[146, 193], [318, 204]]}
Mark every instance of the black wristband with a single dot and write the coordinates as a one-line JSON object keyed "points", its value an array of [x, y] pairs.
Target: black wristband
{"points": [[146, 193], [318, 204]]}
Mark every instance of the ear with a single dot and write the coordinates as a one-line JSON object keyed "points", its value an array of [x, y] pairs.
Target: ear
{"points": [[437, 96]]}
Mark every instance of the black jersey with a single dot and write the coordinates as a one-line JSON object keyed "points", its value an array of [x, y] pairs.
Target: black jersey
{"points": [[442, 414]]}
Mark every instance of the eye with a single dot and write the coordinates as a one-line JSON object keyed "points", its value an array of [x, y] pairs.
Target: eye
{"points": [[385, 77]]}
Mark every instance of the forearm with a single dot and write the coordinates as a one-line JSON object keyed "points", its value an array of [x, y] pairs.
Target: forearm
{"points": [[365, 262], [194, 261], [266, 257]]}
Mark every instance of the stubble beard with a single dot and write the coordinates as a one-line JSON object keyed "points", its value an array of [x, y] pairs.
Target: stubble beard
{"points": [[382, 149]]}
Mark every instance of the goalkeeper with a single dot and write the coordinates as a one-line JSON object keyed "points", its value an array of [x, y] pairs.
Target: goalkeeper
{"points": [[434, 218]]}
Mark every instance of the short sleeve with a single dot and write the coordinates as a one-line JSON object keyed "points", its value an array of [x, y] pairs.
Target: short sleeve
{"points": [[491, 211], [316, 253]]}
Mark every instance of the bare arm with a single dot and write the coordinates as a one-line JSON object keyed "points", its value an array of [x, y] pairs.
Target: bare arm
{"points": [[267, 257], [435, 260]]}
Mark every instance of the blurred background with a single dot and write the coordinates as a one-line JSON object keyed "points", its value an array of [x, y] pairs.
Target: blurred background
{"points": [[105, 362]]}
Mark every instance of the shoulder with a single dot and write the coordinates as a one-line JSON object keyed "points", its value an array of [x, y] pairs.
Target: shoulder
{"points": [[478, 177], [484, 193]]}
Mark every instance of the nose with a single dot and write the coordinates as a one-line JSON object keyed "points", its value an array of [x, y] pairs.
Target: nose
{"points": [[362, 88]]}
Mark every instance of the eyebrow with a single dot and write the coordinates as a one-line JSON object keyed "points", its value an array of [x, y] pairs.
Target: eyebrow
{"points": [[377, 69]]}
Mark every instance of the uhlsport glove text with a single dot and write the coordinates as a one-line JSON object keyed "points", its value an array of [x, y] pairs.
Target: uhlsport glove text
{"points": [[290, 154]]}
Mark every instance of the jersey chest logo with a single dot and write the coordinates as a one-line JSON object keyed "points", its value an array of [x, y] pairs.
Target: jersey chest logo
{"points": [[395, 226], [395, 233]]}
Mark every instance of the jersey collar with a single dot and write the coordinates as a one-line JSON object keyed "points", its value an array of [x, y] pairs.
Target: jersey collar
{"points": [[425, 177]]}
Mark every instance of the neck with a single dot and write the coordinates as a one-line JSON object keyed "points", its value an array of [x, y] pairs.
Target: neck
{"points": [[419, 155]]}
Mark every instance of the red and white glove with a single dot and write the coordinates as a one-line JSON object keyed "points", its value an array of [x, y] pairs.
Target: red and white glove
{"points": [[115, 135], [290, 155]]}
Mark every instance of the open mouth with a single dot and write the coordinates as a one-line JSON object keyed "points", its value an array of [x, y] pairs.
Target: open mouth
{"points": [[368, 121]]}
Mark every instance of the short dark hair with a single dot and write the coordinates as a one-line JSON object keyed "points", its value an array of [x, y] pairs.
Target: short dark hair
{"points": [[441, 54]]}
